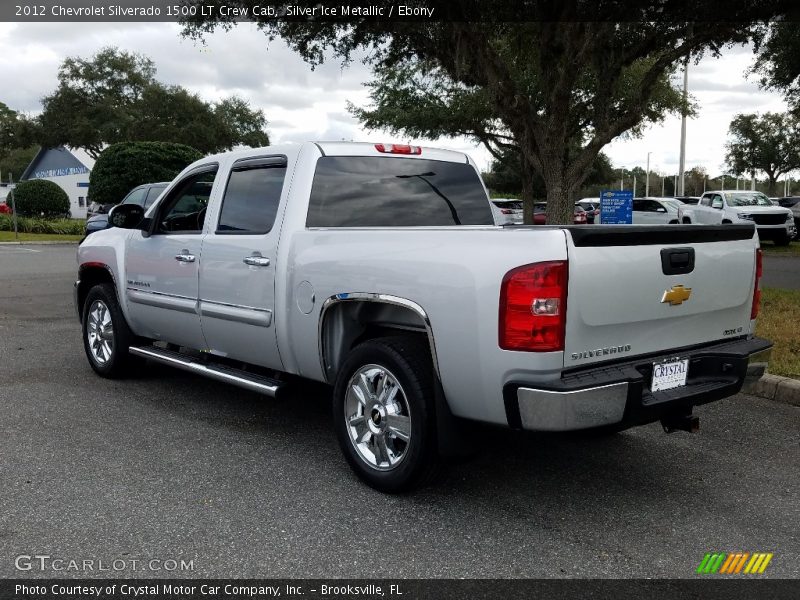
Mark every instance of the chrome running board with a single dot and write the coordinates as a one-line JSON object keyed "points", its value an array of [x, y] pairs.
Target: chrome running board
{"points": [[237, 377]]}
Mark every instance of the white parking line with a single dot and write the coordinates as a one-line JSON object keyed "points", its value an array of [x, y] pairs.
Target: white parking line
{"points": [[17, 250]]}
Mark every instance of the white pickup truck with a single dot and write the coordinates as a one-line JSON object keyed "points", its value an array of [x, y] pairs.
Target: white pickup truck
{"points": [[377, 269], [774, 223]]}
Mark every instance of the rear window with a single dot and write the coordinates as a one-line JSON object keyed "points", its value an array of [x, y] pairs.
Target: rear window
{"points": [[351, 191], [507, 204]]}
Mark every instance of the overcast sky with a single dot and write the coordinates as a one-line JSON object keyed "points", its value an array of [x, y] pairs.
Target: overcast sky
{"points": [[302, 104]]}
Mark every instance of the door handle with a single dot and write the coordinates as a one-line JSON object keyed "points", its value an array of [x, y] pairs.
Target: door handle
{"points": [[256, 260], [184, 256]]}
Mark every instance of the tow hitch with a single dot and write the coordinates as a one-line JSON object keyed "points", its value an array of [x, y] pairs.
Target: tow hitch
{"points": [[688, 423]]}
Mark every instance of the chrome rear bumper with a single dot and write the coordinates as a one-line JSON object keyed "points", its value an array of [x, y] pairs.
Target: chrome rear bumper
{"points": [[622, 395]]}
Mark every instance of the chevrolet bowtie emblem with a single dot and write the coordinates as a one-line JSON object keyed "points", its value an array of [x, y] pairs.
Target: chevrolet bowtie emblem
{"points": [[677, 294]]}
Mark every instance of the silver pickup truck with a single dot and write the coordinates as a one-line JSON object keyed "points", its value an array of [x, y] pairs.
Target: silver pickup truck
{"points": [[377, 269]]}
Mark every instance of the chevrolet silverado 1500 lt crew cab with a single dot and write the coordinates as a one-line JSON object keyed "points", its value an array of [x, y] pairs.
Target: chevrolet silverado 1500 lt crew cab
{"points": [[377, 269]]}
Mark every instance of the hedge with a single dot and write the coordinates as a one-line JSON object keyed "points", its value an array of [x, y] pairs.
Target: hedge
{"points": [[57, 226], [122, 167], [41, 198]]}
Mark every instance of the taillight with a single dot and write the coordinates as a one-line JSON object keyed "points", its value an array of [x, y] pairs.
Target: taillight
{"points": [[398, 149], [506, 211], [757, 286], [533, 307]]}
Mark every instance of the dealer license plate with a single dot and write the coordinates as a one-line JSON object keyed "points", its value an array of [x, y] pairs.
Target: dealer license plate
{"points": [[669, 374]]}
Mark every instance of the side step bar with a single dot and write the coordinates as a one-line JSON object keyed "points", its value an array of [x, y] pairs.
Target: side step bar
{"points": [[243, 379]]}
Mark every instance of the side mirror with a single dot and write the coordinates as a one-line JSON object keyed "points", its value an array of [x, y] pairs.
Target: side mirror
{"points": [[126, 216]]}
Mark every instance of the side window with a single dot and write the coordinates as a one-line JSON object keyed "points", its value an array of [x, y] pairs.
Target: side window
{"points": [[251, 199], [705, 201], [655, 206], [153, 193], [638, 205], [716, 201], [136, 197], [184, 210]]}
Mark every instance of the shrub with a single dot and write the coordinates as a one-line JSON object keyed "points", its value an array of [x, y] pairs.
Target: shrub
{"points": [[57, 226], [41, 198], [121, 167]]}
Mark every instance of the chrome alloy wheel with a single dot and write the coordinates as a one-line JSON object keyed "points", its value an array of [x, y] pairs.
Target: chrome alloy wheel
{"points": [[378, 417], [100, 332]]}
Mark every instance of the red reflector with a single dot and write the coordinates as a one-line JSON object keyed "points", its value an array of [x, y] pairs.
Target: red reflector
{"points": [[533, 307], [398, 149], [756, 288]]}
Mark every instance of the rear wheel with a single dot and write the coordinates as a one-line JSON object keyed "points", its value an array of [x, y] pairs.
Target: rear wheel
{"points": [[687, 221], [106, 335], [383, 413], [726, 222]]}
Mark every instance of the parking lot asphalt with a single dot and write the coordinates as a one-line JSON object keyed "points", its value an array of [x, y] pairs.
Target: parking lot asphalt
{"points": [[168, 466]]}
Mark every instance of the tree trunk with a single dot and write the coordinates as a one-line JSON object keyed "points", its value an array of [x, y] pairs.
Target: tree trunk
{"points": [[772, 183], [560, 203], [527, 192]]}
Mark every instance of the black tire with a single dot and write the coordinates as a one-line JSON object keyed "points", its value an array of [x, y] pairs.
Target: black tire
{"points": [[118, 361], [687, 221], [406, 359], [674, 222], [782, 240], [727, 222]]}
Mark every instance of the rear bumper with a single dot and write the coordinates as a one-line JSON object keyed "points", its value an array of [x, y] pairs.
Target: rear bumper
{"points": [[619, 393]]}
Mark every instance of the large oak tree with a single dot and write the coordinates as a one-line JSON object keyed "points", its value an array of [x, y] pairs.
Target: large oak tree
{"points": [[563, 77]]}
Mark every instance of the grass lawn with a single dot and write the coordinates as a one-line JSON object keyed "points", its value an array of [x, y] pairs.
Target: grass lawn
{"points": [[771, 249], [779, 321], [8, 236]]}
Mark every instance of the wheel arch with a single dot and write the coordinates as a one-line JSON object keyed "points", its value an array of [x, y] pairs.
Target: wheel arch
{"points": [[89, 275], [349, 319]]}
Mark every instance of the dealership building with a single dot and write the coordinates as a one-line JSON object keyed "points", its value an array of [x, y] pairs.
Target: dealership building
{"points": [[68, 168]]}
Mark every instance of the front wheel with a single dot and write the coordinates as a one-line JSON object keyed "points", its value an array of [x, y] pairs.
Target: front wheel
{"points": [[106, 335], [383, 411]]}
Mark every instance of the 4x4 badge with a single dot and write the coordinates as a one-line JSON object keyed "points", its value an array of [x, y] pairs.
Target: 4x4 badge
{"points": [[677, 294]]}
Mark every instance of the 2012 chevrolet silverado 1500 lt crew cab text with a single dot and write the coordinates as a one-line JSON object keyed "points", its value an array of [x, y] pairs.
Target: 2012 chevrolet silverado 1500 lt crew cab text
{"points": [[377, 269]]}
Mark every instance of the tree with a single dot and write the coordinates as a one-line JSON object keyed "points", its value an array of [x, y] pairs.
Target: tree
{"points": [[765, 143], [121, 167], [504, 175], [778, 59], [114, 97], [41, 198], [564, 78]]}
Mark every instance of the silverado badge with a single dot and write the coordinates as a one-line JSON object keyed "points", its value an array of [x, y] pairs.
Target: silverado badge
{"points": [[677, 294]]}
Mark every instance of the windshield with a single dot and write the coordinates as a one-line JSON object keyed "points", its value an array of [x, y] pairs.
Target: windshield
{"points": [[757, 199]]}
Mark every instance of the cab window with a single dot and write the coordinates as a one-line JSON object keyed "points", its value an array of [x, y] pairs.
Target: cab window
{"points": [[184, 209]]}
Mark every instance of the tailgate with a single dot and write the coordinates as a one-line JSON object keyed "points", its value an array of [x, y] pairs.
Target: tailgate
{"points": [[624, 297]]}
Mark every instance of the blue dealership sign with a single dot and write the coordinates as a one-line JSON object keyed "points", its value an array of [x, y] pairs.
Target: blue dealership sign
{"points": [[616, 207]]}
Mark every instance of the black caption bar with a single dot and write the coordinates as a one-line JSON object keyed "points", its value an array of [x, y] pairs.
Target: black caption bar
{"points": [[399, 589]]}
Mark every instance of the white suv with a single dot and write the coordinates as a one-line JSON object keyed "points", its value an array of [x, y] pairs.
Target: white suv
{"points": [[723, 207]]}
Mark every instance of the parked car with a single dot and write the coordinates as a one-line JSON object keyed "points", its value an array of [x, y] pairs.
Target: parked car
{"points": [[793, 204], [507, 211], [377, 269], [655, 211], [727, 207], [5, 209], [143, 195], [540, 214], [592, 208]]}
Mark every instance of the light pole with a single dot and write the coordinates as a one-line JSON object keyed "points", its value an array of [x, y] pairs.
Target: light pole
{"points": [[663, 179], [682, 162], [647, 181], [621, 178]]}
